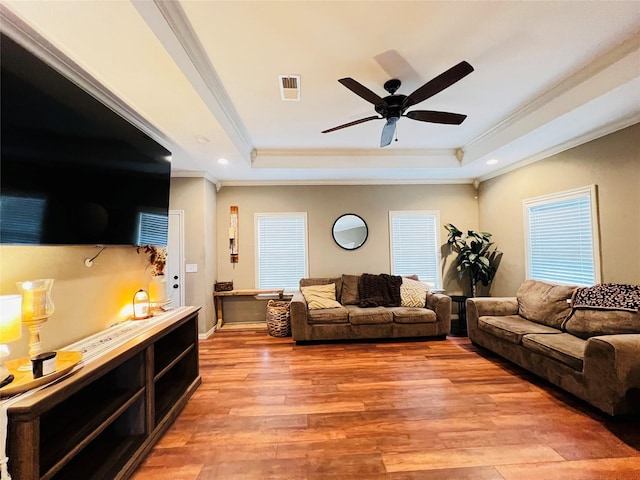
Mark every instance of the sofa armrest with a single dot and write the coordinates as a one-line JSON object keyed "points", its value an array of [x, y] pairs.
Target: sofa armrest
{"points": [[612, 366], [298, 315], [488, 306], [441, 304]]}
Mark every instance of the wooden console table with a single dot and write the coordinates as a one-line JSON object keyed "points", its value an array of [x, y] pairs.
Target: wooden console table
{"points": [[218, 296], [102, 420]]}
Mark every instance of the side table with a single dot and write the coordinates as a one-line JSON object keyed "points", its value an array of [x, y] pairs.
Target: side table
{"points": [[461, 323], [218, 296]]}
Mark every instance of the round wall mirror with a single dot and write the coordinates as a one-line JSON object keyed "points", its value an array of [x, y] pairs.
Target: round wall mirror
{"points": [[350, 231]]}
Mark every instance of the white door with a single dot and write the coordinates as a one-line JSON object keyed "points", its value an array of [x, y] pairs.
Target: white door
{"points": [[175, 259]]}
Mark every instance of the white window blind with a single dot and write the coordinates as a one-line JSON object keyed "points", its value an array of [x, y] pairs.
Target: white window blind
{"points": [[281, 253], [561, 235], [415, 244]]}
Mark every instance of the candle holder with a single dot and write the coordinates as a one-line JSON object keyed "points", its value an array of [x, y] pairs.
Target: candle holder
{"points": [[37, 307]]}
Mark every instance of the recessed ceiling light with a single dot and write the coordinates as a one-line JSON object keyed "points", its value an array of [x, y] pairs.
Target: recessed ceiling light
{"points": [[223, 161], [492, 161]]}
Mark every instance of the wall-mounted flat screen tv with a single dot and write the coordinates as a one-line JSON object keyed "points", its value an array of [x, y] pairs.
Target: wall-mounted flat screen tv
{"points": [[72, 171]]}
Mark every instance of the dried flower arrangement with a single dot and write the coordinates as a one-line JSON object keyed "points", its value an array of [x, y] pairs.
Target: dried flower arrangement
{"points": [[157, 257]]}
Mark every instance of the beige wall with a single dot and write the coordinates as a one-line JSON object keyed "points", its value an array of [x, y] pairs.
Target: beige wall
{"points": [[197, 197], [323, 204], [612, 163], [86, 300], [90, 299]]}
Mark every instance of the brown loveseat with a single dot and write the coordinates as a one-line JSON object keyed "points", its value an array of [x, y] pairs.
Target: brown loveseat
{"points": [[588, 346], [370, 316]]}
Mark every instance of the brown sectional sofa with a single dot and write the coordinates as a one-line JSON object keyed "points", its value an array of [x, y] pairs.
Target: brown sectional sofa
{"points": [[351, 320], [591, 352]]}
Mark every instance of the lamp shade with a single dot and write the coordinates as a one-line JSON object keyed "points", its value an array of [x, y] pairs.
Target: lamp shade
{"points": [[10, 318]]}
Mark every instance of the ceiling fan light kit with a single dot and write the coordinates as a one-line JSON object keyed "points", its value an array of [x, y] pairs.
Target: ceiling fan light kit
{"points": [[393, 106]]}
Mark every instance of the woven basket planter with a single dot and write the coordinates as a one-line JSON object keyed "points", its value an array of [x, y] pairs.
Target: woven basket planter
{"points": [[278, 319]]}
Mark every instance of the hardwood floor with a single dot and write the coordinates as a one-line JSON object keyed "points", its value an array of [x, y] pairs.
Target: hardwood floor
{"points": [[441, 409]]}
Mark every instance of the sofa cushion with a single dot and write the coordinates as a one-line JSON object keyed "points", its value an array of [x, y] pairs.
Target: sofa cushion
{"points": [[512, 327], [563, 347], [350, 295], [328, 315], [320, 296], [544, 303], [413, 315], [370, 315], [413, 293], [586, 323], [307, 282]]}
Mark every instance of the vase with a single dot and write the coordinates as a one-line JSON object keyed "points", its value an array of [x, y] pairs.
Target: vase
{"points": [[158, 292]]}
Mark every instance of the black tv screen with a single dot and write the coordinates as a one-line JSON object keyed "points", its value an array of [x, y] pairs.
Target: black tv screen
{"points": [[72, 171]]}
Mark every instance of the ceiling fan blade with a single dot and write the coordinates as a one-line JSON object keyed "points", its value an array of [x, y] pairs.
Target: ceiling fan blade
{"points": [[436, 117], [361, 90], [388, 131], [355, 122], [439, 83]]}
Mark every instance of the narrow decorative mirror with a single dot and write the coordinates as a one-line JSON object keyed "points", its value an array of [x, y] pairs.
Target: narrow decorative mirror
{"points": [[350, 231]]}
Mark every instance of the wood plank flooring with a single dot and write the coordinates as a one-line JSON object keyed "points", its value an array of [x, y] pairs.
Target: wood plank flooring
{"points": [[437, 409]]}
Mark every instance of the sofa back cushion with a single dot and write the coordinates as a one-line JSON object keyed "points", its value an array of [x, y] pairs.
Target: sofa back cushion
{"points": [[586, 323], [544, 303], [320, 296], [307, 282], [350, 294]]}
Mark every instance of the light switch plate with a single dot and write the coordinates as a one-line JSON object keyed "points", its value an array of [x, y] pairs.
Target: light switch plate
{"points": [[192, 267]]}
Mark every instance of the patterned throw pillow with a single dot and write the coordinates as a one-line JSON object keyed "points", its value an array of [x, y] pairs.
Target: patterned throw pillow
{"points": [[320, 296], [413, 293]]}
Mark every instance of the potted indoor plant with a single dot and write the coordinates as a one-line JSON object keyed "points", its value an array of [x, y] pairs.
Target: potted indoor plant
{"points": [[477, 256]]}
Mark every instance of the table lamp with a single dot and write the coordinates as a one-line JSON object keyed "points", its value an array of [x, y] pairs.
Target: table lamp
{"points": [[140, 305], [10, 327]]}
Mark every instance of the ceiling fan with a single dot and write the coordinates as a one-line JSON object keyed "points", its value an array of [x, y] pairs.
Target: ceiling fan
{"points": [[393, 106]]}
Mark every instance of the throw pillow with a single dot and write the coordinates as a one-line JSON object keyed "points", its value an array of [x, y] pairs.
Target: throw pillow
{"points": [[320, 296], [350, 295], [413, 293]]}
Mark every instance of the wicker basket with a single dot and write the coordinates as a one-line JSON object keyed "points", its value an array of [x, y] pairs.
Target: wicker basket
{"points": [[278, 319]]}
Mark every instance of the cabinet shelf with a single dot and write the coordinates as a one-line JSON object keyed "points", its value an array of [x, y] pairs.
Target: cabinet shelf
{"points": [[168, 350], [80, 434], [99, 422], [174, 362]]}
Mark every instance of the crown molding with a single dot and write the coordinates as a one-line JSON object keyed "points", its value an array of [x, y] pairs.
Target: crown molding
{"points": [[321, 183], [354, 158], [222, 107], [177, 173], [562, 147], [25, 35]]}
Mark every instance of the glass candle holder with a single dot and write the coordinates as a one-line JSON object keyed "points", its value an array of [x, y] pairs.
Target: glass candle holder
{"points": [[37, 307]]}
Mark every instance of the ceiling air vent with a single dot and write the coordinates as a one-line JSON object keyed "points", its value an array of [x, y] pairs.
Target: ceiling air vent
{"points": [[289, 87]]}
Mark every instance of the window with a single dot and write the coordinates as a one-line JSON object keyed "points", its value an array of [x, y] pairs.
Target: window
{"points": [[561, 237], [415, 241], [281, 252]]}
